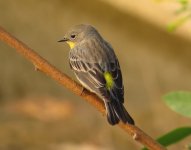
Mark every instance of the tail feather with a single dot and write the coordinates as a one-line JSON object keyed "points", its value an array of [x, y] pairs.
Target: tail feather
{"points": [[116, 111], [111, 114], [122, 113]]}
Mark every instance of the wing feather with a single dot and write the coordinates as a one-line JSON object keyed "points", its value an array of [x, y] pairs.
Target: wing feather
{"points": [[95, 75]]}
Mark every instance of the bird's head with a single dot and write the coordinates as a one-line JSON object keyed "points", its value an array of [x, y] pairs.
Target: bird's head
{"points": [[78, 33]]}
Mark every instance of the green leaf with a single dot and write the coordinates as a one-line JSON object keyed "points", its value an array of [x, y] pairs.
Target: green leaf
{"points": [[179, 102], [174, 136], [183, 2], [172, 26]]}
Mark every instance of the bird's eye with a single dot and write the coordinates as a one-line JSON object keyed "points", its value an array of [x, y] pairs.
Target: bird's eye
{"points": [[73, 36]]}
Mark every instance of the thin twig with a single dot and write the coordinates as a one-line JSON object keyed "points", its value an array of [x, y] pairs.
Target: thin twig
{"points": [[44, 66]]}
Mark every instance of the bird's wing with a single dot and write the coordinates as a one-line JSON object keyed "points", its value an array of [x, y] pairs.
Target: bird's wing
{"points": [[95, 73], [117, 90]]}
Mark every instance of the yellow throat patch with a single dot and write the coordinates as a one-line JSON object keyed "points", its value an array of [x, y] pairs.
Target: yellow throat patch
{"points": [[71, 44], [109, 80]]}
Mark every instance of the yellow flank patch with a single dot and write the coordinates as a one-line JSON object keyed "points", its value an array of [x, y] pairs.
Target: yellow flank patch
{"points": [[71, 44], [109, 80]]}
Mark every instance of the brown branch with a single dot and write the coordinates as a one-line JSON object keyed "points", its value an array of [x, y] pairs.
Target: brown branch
{"points": [[43, 65]]}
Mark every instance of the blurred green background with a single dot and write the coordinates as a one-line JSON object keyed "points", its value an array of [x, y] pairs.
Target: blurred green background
{"points": [[36, 113]]}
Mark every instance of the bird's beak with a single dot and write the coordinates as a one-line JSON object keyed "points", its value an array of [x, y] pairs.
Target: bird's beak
{"points": [[63, 40]]}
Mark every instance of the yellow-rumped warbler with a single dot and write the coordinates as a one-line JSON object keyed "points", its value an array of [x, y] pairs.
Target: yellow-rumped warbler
{"points": [[97, 68]]}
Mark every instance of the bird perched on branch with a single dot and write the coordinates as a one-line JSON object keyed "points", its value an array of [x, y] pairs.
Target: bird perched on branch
{"points": [[97, 68]]}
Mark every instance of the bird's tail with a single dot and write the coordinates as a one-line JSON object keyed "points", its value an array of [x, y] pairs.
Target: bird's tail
{"points": [[116, 112]]}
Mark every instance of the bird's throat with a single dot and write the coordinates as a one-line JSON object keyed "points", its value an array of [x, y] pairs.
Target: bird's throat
{"points": [[71, 44]]}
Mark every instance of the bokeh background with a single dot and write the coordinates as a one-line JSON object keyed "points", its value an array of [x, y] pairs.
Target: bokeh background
{"points": [[36, 113]]}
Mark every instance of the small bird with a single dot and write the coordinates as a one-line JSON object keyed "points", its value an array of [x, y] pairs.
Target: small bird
{"points": [[96, 66]]}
